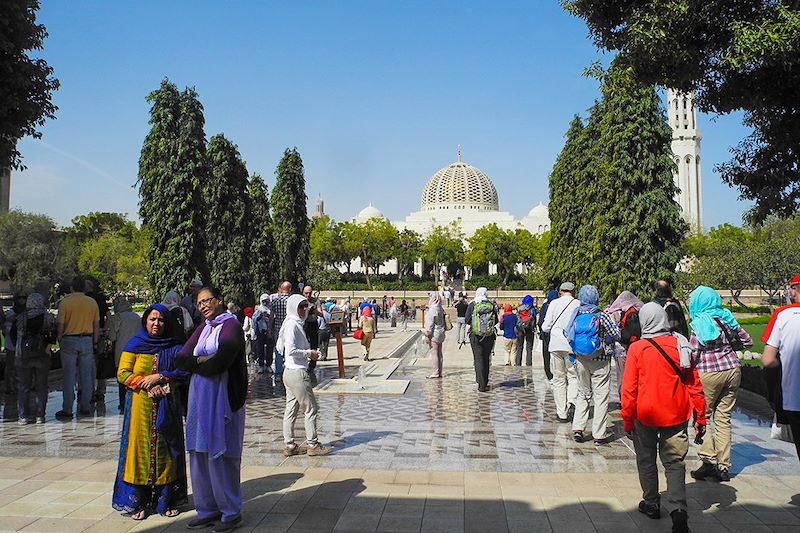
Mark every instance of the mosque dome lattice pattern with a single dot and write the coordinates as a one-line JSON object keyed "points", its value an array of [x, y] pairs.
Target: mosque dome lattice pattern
{"points": [[459, 186]]}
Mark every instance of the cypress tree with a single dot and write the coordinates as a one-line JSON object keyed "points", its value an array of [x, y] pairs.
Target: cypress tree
{"points": [[226, 220], [638, 228], [290, 218], [171, 170], [263, 277]]}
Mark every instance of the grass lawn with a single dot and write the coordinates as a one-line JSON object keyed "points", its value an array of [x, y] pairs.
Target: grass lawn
{"points": [[755, 331]]}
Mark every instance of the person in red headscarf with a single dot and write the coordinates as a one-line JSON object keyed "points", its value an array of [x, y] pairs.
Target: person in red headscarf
{"points": [[508, 322], [367, 325]]}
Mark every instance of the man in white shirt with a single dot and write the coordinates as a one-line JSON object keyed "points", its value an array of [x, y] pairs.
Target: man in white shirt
{"points": [[782, 335], [556, 322]]}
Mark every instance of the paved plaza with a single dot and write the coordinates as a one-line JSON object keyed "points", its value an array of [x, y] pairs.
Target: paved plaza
{"points": [[441, 457]]}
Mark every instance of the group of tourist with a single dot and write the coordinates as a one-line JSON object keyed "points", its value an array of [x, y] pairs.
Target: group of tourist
{"points": [[183, 380]]}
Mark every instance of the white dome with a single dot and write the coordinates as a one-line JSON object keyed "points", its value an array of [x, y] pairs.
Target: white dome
{"points": [[368, 213], [540, 211], [459, 186]]}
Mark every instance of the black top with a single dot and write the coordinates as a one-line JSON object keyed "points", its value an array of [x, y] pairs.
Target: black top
{"points": [[229, 357], [461, 308]]}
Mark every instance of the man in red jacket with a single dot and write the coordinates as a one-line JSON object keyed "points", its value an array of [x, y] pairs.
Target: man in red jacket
{"points": [[661, 391]]}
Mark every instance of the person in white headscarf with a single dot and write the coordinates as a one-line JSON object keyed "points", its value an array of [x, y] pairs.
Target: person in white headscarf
{"points": [[179, 317], [434, 333], [482, 344], [265, 340], [293, 344]]}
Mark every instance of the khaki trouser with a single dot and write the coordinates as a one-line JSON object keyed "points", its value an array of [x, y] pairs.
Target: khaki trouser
{"points": [[565, 382], [299, 392], [671, 444], [594, 383], [510, 346], [720, 389]]}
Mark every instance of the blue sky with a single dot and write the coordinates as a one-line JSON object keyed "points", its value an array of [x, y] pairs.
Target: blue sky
{"points": [[376, 96]]}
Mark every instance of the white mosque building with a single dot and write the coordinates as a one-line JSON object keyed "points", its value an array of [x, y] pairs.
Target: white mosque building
{"points": [[464, 194]]}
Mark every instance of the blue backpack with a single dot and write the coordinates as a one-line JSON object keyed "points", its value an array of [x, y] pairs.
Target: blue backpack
{"points": [[587, 341]]}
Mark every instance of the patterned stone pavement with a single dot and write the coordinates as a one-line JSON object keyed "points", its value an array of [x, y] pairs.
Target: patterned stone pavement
{"points": [[442, 457]]}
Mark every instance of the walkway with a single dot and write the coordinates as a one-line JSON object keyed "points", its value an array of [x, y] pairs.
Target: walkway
{"points": [[442, 457]]}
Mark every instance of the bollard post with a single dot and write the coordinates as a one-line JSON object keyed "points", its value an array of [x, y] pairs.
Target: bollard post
{"points": [[340, 352]]}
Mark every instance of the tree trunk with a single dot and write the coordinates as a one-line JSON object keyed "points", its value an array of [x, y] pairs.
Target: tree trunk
{"points": [[506, 275], [365, 264], [735, 295]]}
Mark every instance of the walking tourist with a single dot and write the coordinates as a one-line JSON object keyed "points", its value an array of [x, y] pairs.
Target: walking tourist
{"points": [[367, 325], [461, 320], [661, 392], [10, 366], [324, 336], [675, 313], [120, 328], [481, 317], [404, 312], [565, 378], [591, 335], [151, 476], [508, 323], [625, 313], [311, 325], [32, 334], [545, 335], [278, 314], [249, 335], [716, 335], [782, 349], [265, 343], [78, 325], [434, 333], [293, 343], [214, 354], [526, 330]]}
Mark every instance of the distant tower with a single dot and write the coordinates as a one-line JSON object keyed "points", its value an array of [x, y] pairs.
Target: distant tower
{"points": [[5, 189], [319, 208], [686, 149]]}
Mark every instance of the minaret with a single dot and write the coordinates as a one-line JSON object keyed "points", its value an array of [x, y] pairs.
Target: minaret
{"points": [[319, 208], [686, 149], [5, 189]]}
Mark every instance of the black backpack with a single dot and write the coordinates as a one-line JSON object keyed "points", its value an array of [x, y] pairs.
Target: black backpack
{"points": [[33, 345]]}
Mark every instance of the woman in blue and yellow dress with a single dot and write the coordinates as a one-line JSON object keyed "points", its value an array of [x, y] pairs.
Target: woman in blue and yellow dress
{"points": [[151, 476]]}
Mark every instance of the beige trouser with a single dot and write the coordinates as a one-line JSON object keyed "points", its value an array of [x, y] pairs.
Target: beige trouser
{"points": [[594, 383], [565, 382], [510, 346], [671, 444], [720, 389], [299, 392]]}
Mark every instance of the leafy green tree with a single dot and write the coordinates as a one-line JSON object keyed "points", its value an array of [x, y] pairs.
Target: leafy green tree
{"points": [[408, 251], [226, 220], [263, 259], [615, 200], [96, 223], [290, 218], [118, 260], [742, 55], [172, 169], [490, 244], [443, 245], [28, 84], [571, 210], [348, 249], [325, 242], [31, 250], [376, 242]]}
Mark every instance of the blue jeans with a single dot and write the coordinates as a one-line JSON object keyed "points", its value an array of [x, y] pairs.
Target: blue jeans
{"points": [[77, 360], [278, 363]]}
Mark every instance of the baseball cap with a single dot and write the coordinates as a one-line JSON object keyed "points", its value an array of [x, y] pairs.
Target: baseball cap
{"points": [[795, 281], [567, 286]]}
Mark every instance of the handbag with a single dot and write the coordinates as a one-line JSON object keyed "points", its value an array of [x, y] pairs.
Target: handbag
{"points": [[106, 367], [448, 323], [358, 334]]}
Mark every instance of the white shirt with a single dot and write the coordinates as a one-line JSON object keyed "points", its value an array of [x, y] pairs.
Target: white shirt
{"points": [[556, 321], [784, 334]]}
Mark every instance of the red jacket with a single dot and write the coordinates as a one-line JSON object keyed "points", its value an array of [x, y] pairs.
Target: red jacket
{"points": [[652, 392]]}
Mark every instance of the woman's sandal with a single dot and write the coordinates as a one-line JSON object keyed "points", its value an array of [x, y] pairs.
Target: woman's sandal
{"points": [[140, 515], [172, 513]]}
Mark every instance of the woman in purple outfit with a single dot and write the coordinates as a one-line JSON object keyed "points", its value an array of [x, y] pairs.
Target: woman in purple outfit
{"points": [[214, 354]]}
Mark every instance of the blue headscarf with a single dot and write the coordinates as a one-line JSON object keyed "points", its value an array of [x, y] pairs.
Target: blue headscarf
{"points": [[704, 306], [528, 300], [552, 295], [145, 343], [588, 296]]}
